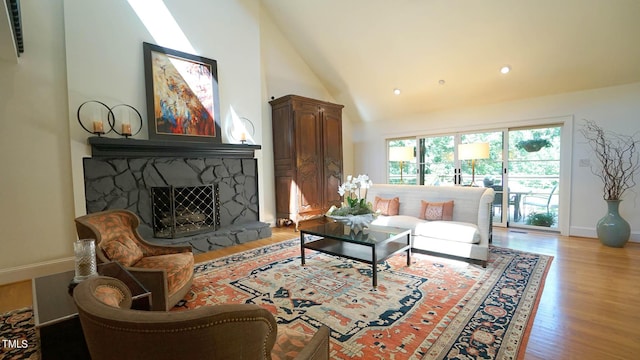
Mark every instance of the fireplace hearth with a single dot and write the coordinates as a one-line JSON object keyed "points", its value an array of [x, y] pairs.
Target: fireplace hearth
{"points": [[125, 173]]}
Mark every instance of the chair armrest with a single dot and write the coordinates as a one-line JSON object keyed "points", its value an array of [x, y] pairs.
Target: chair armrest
{"points": [[149, 249], [318, 346]]}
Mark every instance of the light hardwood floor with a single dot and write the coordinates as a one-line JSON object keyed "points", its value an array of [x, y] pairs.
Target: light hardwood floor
{"points": [[588, 309]]}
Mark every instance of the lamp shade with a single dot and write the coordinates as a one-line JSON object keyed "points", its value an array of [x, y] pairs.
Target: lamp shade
{"points": [[401, 153], [473, 151]]}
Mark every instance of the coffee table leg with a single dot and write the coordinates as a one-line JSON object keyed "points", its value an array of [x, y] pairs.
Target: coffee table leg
{"points": [[302, 247], [375, 276], [375, 268]]}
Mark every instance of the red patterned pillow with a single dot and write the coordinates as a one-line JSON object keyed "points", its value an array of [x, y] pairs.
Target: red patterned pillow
{"points": [[436, 211], [387, 207], [123, 250]]}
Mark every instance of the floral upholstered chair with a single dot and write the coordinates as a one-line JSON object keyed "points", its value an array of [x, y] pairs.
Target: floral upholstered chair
{"points": [[228, 331], [166, 271]]}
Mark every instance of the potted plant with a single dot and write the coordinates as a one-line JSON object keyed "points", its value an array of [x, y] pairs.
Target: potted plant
{"points": [[617, 164], [540, 219], [533, 145], [355, 211]]}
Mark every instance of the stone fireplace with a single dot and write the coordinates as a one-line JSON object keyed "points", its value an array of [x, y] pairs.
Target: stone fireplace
{"points": [[122, 173]]}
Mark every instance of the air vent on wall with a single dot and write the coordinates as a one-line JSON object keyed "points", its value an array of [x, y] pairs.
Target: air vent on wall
{"points": [[14, 13]]}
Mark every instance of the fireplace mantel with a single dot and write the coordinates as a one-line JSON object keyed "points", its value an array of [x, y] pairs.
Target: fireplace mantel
{"points": [[103, 147]]}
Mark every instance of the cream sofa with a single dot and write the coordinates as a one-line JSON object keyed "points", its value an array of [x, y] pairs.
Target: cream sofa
{"points": [[466, 236]]}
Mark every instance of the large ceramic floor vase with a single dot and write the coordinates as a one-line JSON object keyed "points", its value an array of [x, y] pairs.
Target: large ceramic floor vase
{"points": [[612, 229]]}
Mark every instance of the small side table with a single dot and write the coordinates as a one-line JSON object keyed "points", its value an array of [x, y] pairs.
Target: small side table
{"points": [[56, 316]]}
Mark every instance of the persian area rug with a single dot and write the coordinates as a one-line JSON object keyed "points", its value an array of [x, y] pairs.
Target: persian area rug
{"points": [[435, 309], [18, 339]]}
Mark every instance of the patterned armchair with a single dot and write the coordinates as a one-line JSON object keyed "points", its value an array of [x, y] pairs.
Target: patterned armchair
{"points": [[166, 271], [230, 331]]}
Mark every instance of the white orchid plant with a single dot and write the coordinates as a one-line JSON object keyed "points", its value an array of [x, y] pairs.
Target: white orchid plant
{"points": [[354, 190]]}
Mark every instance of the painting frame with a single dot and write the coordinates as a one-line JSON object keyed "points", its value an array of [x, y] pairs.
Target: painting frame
{"points": [[183, 102]]}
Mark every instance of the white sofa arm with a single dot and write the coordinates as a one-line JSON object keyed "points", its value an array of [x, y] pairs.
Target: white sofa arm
{"points": [[484, 215]]}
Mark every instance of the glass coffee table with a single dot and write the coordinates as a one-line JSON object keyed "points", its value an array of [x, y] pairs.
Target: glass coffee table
{"points": [[372, 245]]}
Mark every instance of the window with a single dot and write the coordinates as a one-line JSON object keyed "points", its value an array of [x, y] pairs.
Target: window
{"points": [[402, 161]]}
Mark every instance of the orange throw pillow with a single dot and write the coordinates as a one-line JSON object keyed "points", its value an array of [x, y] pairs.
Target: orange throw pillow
{"points": [[436, 211], [387, 207]]}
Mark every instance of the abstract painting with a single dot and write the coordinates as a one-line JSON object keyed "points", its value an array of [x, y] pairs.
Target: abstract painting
{"points": [[182, 95]]}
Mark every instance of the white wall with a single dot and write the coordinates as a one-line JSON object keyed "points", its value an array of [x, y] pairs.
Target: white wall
{"points": [[286, 73], [105, 59], [615, 108], [36, 199], [254, 63]]}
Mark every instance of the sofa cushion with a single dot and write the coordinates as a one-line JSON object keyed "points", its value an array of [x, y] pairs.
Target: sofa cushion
{"points": [[122, 249], [436, 210], [401, 221], [179, 268], [449, 230], [388, 207]]}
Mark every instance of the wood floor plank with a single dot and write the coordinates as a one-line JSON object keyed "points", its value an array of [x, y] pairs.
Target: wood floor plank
{"points": [[588, 309]]}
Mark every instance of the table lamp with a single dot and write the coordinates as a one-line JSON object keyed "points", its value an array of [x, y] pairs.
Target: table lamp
{"points": [[401, 154], [472, 152]]}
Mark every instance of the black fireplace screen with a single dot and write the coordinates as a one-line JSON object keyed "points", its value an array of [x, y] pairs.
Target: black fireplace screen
{"points": [[182, 211]]}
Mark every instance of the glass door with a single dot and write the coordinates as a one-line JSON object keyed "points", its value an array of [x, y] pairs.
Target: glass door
{"points": [[488, 172], [436, 163], [534, 176]]}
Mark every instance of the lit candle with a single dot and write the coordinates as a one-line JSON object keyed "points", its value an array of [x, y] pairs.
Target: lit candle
{"points": [[126, 128], [243, 136], [98, 127]]}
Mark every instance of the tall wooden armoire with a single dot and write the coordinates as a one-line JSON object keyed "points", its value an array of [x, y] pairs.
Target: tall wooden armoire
{"points": [[307, 149]]}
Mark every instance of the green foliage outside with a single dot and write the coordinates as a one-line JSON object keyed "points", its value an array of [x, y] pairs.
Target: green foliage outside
{"points": [[540, 219], [439, 165]]}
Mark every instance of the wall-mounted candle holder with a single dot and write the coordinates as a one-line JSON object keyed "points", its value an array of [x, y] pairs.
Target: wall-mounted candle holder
{"points": [[243, 130], [91, 116], [124, 118]]}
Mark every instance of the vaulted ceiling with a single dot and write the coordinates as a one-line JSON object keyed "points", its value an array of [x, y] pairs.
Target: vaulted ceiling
{"points": [[445, 54]]}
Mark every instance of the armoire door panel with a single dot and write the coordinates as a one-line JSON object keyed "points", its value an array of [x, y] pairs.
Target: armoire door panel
{"points": [[332, 150], [332, 197], [283, 148], [309, 158], [283, 189]]}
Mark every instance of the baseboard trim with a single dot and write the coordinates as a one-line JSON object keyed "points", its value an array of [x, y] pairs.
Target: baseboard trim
{"points": [[27, 272], [591, 233]]}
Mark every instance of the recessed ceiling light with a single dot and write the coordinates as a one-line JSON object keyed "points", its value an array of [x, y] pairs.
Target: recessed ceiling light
{"points": [[396, 91], [505, 69], [441, 82]]}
